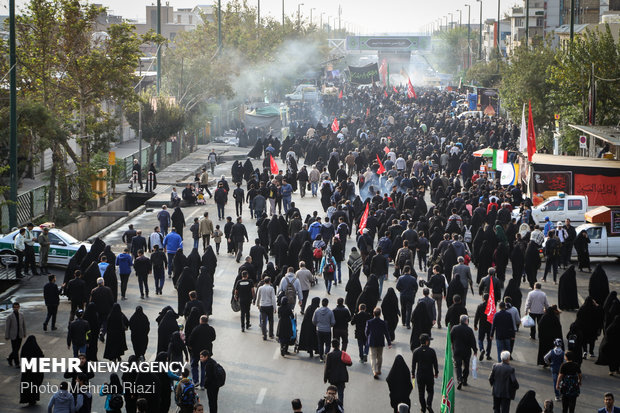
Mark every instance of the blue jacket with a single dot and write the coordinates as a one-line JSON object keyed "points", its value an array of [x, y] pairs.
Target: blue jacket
{"points": [[377, 332], [286, 191], [407, 285], [314, 229], [172, 242], [124, 263]]}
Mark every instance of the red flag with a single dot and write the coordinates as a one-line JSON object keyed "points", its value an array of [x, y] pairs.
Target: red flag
{"points": [[381, 167], [490, 310], [410, 90], [364, 218], [385, 93], [386, 150], [335, 126], [367, 111], [340, 95], [274, 166], [395, 90], [531, 134]]}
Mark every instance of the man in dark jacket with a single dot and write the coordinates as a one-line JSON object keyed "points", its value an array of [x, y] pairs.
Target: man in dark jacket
{"points": [[377, 332], [143, 267], [138, 243], [104, 300], [437, 284], [407, 285], [336, 370], [463, 343], [341, 327], [455, 311], [482, 325], [51, 294], [221, 198], [503, 325], [238, 234], [76, 334], [379, 266], [193, 302], [484, 286], [259, 256], [76, 292], [330, 403], [424, 370], [160, 264], [504, 382], [208, 378], [201, 338]]}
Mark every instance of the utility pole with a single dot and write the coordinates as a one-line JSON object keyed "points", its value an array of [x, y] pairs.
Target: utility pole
{"points": [[451, 21], [468, 35], [311, 15], [460, 17], [219, 25], [572, 22], [158, 47], [498, 28], [258, 19], [321, 20], [13, 118], [480, 33], [299, 14], [527, 23], [339, 16]]}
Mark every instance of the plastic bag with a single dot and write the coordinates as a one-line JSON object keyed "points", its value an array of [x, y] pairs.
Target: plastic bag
{"points": [[474, 367], [528, 321]]}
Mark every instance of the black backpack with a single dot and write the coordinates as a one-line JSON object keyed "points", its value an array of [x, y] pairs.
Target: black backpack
{"points": [[220, 375], [116, 402]]}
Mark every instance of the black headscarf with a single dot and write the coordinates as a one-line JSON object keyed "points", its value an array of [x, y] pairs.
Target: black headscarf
{"points": [[204, 288], [140, 327], [193, 262], [74, 263], [90, 315], [389, 308], [598, 287], [30, 394], [93, 254], [421, 323], [307, 336], [110, 256], [185, 284], [110, 280], [179, 262], [399, 382], [209, 260], [192, 321], [567, 290], [528, 403], [116, 342], [549, 328], [514, 292], [167, 326]]}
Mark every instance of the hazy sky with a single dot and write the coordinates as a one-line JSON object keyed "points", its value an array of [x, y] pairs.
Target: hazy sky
{"points": [[376, 16]]}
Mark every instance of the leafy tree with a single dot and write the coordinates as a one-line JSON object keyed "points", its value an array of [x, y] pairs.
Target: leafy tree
{"points": [[161, 119], [570, 79], [484, 74], [524, 78]]}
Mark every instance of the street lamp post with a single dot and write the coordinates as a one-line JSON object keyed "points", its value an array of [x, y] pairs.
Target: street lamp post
{"points": [[460, 17], [282, 13], [468, 35], [299, 13], [572, 21], [13, 117], [498, 27], [480, 33], [527, 23], [158, 47], [446, 17], [321, 20], [311, 15], [219, 25], [258, 12], [451, 20]]}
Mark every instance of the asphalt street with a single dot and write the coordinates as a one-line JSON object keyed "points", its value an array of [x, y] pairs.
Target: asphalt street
{"points": [[258, 378]]}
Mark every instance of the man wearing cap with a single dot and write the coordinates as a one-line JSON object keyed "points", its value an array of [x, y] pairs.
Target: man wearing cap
{"points": [[424, 370], [76, 333], [44, 249], [29, 240], [548, 226]]}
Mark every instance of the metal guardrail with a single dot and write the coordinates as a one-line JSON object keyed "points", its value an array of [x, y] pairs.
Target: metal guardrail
{"points": [[7, 268]]}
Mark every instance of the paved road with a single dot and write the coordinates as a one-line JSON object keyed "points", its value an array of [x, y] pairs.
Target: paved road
{"points": [[260, 380]]}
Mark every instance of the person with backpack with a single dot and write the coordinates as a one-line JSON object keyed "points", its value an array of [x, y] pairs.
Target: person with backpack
{"points": [[212, 377], [113, 392], [554, 358], [328, 269], [290, 287], [569, 382], [185, 393]]}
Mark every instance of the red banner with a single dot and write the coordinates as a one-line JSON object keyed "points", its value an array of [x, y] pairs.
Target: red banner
{"points": [[600, 189], [274, 166]]}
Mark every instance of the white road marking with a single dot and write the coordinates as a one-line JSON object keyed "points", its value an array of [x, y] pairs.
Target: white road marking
{"points": [[276, 353], [261, 395], [517, 355], [8, 379], [54, 340]]}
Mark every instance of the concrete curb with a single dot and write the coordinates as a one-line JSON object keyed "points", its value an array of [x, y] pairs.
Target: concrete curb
{"points": [[8, 293], [116, 224]]}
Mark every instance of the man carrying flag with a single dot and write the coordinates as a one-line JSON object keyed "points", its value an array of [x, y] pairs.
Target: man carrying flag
{"points": [[447, 388], [364, 219], [381, 167], [335, 126], [340, 94]]}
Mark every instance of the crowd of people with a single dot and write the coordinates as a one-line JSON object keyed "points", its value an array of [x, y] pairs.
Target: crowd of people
{"points": [[397, 180]]}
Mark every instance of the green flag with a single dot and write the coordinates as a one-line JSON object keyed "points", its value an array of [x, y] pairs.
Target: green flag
{"points": [[447, 388]]}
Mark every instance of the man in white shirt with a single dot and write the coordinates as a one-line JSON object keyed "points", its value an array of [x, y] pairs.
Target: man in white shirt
{"points": [[156, 238], [535, 305], [29, 240], [20, 247], [266, 302]]}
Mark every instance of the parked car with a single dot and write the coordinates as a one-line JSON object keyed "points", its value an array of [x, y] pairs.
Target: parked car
{"points": [[559, 208], [304, 92], [63, 245], [601, 243]]}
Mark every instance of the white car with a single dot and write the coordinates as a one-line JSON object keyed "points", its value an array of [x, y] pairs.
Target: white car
{"points": [[63, 246]]}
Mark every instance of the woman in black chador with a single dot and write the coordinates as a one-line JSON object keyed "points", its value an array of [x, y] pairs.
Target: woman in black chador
{"points": [[30, 393], [140, 327]]}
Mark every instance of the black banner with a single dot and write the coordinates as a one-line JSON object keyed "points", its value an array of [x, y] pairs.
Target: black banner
{"points": [[364, 75]]}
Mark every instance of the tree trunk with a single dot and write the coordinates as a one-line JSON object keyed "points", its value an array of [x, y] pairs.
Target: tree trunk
{"points": [[51, 202]]}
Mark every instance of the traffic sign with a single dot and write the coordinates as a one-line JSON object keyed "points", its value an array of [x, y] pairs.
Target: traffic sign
{"points": [[111, 158], [557, 116], [582, 142]]}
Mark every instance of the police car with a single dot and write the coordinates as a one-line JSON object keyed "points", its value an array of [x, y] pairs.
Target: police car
{"points": [[63, 245]]}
